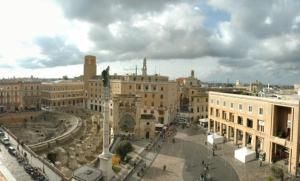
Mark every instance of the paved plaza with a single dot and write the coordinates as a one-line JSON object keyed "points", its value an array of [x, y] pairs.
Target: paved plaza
{"points": [[183, 160]]}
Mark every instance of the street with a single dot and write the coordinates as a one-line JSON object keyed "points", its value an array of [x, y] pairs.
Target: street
{"points": [[13, 166], [183, 160]]}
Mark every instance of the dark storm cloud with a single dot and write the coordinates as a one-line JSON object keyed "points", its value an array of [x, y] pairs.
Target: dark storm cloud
{"points": [[262, 36], [55, 52], [105, 12]]}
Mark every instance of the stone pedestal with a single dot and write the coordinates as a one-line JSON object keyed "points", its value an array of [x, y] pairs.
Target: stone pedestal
{"points": [[106, 166], [82, 157], [72, 163]]}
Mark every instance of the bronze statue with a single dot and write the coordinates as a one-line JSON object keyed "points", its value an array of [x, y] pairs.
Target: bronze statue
{"points": [[105, 77]]}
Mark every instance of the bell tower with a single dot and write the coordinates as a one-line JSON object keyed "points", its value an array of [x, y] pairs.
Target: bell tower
{"points": [[144, 69]]}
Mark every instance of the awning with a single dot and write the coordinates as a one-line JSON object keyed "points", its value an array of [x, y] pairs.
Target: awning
{"points": [[204, 120], [215, 139], [159, 125], [244, 154]]}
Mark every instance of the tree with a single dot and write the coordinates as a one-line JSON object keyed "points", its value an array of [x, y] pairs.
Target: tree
{"points": [[123, 148], [277, 172]]}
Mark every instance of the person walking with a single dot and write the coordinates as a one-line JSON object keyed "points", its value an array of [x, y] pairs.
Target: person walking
{"points": [[260, 163]]}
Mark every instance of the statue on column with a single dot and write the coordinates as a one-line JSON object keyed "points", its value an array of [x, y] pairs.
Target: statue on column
{"points": [[105, 77]]}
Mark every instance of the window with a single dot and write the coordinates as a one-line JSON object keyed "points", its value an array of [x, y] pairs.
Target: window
{"points": [[217, 113], [145, 95], [240, 120], [162, 88], [206, 99], [198, 110], [224, 103], [260, 125], [217, 102], [161, 96], [211, 111], [231, 105], [212, 101], [154, 87], [249, 123], [240, 107], [152, 104], [250, 108], [261, 111]]}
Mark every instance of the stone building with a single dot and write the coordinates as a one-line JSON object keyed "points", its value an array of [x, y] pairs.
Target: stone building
{"points": [[193, 99], [266, 125], [19, 94], [156, 92], [62, 93], [255, 86], [127, 119]]}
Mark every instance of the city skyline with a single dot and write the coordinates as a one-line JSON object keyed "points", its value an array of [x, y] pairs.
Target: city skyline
{"points": [[245, 40]]}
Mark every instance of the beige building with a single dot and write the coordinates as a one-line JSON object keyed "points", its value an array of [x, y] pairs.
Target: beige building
{"points": [[18, 94], [266, 125], [193, 99], [127, 119], [256, 86], [156, 92], [61, 94]]}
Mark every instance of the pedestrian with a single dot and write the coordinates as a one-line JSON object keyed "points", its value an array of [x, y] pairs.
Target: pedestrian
{"points": [[260, 163], [202, 177]]}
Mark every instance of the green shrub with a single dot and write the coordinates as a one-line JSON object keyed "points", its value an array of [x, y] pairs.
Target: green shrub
{"points": [[270, 178], [116, 169], [277, 172], [123, 148]]}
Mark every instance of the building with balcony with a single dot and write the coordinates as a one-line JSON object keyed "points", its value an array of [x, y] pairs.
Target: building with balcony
{"points": [[62, 93], [266, 125], [19, 94], [193, 99], [157, 93]]}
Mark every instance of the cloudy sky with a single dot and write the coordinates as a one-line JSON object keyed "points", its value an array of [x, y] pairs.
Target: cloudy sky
{"points": [[219, 39]]}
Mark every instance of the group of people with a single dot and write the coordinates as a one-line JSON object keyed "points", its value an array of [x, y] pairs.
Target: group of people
{"points": [[203, 175]]}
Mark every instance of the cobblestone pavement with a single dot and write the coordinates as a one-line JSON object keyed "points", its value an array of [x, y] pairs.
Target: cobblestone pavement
{"points": [[12, 165], [183, 160]]}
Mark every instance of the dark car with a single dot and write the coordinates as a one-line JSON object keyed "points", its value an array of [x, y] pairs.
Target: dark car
{"points": [[12, 150]]}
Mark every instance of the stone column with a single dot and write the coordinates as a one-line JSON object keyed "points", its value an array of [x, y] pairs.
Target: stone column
{"points": [[235, 136], [244, 138], [106, 156]]}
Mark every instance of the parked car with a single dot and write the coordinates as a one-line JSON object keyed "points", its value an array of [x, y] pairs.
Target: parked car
{"points": [[12, 151], [5, 141], [2, 134]]}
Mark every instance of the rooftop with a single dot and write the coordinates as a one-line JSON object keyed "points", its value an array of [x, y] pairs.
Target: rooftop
{"points": [[87, 173], [293, 100]]}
